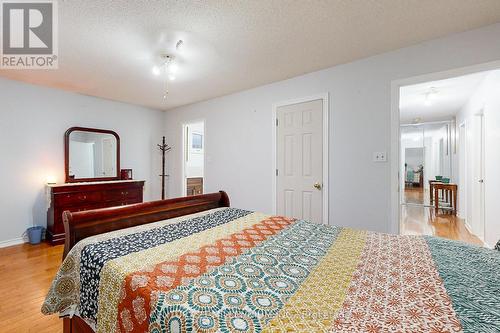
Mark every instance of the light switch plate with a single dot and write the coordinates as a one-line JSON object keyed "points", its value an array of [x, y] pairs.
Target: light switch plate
{"points": [[380, 156]]}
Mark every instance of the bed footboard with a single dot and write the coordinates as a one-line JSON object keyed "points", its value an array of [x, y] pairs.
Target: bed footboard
{"points": [[80, 225]]}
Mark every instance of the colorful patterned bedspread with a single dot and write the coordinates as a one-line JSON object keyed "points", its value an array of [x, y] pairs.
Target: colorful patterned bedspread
{"points": [[230, 270]]}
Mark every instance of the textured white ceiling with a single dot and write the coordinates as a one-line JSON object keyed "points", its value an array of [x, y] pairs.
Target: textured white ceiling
{"points": [[451, 95], [107, 48]]}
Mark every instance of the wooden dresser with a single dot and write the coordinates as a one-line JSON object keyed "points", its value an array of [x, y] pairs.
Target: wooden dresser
{"points": [[77, 197]]}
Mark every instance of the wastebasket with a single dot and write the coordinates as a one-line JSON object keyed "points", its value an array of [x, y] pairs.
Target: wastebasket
{"points": [[35, 234]]}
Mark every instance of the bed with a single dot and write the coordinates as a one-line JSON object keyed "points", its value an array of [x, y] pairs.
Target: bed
{"points": [[195, 264]]}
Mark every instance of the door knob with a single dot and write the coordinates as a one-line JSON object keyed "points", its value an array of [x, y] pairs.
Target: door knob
{"points": [[317, 186]]}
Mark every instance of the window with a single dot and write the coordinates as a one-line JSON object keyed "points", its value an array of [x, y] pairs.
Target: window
{"points": [[197, 141]]}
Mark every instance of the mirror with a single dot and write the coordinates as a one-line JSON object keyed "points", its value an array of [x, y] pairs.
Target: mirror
{"points": [[91, 155], [425, 153]]}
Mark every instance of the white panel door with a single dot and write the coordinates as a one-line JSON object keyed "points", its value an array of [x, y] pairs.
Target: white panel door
{"points": [[478, 177], [81, 159], [299, 151], [108, 162]]}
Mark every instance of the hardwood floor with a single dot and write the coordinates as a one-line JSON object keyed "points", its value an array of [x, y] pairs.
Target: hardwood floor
{"points": [[415, 195], [420, 220], [26, 272]]}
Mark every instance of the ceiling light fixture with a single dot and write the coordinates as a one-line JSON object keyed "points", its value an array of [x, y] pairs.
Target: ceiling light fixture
{"points": [[173, 68], [430, 96], [156, 71], [168, 62], [427, 101], [168, 67]]}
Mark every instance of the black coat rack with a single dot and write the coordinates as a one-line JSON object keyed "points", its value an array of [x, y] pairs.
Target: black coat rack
{"points": [[164, 149]]}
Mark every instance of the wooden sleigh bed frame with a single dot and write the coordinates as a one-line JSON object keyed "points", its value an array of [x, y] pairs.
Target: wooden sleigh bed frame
{"points": [[80, 225]]}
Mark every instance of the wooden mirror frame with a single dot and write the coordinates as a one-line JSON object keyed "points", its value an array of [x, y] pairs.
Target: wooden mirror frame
{"points": [[66, 155]]}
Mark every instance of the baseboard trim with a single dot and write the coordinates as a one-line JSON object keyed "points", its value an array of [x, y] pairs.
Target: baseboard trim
{"points": [[468, 227], [12, 242]]}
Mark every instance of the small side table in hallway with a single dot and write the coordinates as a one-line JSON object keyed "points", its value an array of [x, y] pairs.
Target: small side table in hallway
{"points": [[449, 192]]}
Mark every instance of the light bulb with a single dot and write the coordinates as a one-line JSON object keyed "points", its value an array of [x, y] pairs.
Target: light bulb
{"points": [[171, 77], [156, 70], [433, 93], [172, 68], [430, 96]]}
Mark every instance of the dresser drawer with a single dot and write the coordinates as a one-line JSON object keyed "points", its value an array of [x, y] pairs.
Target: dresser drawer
{"points": [[123, 194], [58, 212], [81, 198], [123, 202]]}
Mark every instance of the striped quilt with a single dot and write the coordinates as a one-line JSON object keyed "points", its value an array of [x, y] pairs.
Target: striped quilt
{"points": [[231, 270]]}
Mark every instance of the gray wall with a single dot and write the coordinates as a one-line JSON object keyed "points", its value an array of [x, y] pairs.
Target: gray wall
{"points": [[33, 120]]}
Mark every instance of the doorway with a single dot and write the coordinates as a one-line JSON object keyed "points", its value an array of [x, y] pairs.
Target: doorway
{"points": [[193, 158], [469, 100], [301, 159]]}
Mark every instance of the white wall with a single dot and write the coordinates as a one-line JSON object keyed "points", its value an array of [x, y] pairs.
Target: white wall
{"points": [[238, 128], [33, 120], [487, 99]]}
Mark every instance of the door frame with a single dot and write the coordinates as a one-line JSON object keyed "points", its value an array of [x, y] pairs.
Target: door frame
{"points": [[183, 154], [326, 124], [481, 140], [395, 194], [463, 179]]}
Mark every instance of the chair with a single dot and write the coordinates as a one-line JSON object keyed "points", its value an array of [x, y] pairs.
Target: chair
{"points": [[410, 177]]}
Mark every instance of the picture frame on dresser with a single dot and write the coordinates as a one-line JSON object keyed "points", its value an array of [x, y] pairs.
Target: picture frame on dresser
{"points": [[126, 174]]}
